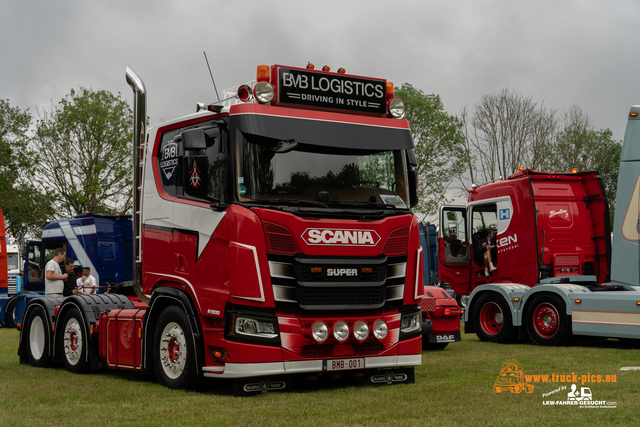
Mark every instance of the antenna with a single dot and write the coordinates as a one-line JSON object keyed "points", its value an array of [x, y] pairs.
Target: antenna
{"points": [[214, 83]]}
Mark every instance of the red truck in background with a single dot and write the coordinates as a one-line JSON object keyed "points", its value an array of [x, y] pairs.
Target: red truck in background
{"points": [[547, 225], [552, 253], [272, 235]]}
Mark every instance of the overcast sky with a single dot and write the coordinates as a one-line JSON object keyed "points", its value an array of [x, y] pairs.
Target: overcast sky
{"points": [[558, 52]]}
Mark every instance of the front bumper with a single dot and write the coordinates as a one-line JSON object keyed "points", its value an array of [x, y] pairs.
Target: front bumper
{"points": [[246, 370]]}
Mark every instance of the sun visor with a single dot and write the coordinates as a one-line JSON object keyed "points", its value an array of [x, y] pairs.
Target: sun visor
{"points": [[324, 133]]}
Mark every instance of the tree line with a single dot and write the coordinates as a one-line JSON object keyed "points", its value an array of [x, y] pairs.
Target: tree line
{"points": [[75, 156], [503, 131]]}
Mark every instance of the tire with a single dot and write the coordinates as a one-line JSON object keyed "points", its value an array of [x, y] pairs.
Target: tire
{"points": [[492, 320], [10, 314], [37, 337], [174, 351], [73, 342], [547, 321]]}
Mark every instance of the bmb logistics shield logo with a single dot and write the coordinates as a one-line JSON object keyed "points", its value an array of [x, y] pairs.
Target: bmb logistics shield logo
{"points": [[338, 237]]}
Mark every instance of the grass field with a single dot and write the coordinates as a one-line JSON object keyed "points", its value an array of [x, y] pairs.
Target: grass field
{"points": [[453, 387]]}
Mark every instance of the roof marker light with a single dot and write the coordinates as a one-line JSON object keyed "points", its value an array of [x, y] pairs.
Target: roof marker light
{"points": [[341, 71], [389, 90], [574, 170], [634, 114], [520, 168], [262, 73], [310, 66], [326, 68]]}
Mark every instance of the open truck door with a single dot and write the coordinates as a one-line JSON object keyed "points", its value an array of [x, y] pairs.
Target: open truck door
{"points": [[454, 253], [34, 267]]}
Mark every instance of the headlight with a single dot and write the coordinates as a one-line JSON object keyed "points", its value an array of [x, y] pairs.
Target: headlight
{"points": [[380, 329], [254, 327], [341, 331], [396, 108], [263, 92], [361, 330], [411, 323], [320, 331]]}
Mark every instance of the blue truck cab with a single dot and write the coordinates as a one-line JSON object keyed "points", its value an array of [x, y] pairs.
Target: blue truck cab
{"points": [[428, 241], [104, 243]]}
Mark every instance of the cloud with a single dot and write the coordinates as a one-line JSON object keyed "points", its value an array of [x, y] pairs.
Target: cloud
{"points": [[562, 53]]}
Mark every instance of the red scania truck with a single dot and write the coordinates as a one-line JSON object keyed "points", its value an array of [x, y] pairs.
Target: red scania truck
{"points": [[272, 235]]}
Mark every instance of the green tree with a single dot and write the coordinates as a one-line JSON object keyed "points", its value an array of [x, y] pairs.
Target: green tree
{"points": [[86, 152], [25, 209], [440, 149], [578, 145]]}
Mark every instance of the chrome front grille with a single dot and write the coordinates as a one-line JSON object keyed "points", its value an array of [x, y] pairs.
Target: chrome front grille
{"points": [[12, 285], [337, 283]]}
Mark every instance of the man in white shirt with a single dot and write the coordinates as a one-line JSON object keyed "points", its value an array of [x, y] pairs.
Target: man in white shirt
{"points": [[87, 283], [54, 279]]}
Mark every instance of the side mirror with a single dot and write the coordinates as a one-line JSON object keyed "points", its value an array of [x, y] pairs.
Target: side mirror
{"points": [[285, 146], [411, 158], [413, 187], [194, 139]]}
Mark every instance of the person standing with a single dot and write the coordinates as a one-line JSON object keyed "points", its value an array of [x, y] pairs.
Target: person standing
{"points": [[54, 279], [87, 283], [72, 278]]}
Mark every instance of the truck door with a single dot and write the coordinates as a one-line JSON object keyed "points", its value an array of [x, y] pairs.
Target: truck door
{"points": [[34, 267], [500, 215], [453, 248]]}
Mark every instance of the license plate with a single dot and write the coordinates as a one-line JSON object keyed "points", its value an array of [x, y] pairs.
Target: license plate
{"points": [[342, 364]]}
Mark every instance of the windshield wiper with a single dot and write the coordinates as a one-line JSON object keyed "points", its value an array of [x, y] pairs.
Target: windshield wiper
{"points": [[374, 204], [296, 201]]}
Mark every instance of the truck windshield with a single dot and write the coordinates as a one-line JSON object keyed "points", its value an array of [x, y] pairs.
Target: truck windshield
{"points": [[12, 260], [270, 171]]}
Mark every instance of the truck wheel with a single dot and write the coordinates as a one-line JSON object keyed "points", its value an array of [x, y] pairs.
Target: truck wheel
{"points": [[491, 318], [74, 342], [173, 350], [547, 321], [37, 337], [10, 314]]}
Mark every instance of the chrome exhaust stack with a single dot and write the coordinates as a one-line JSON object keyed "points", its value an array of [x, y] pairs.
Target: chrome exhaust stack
{"points": [[139, 120]]}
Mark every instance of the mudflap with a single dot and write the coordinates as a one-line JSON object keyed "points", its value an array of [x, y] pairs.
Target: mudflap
{"points": [[389, 376], [444, 338], [253, 386]]}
